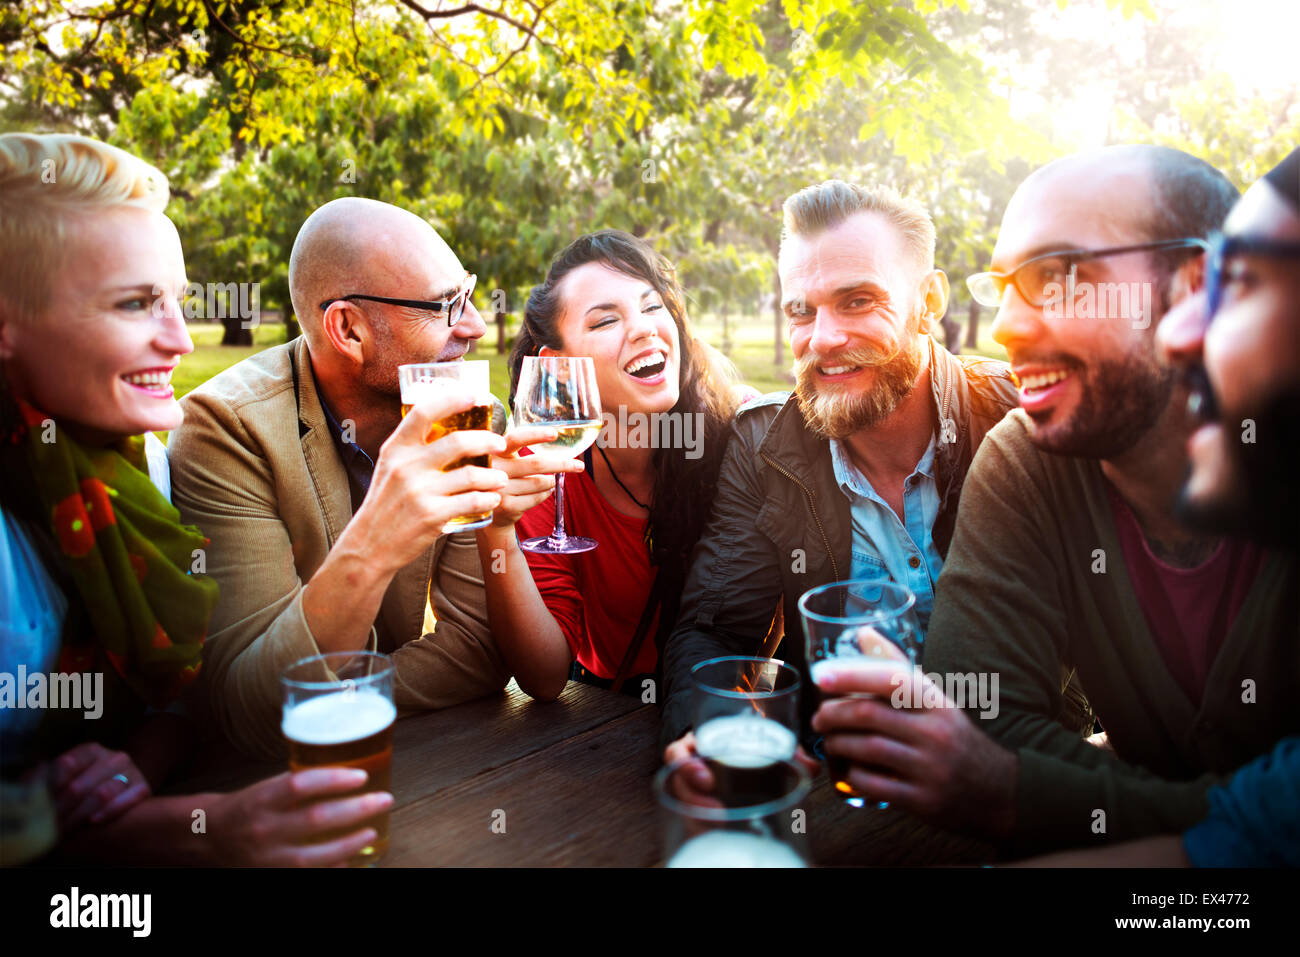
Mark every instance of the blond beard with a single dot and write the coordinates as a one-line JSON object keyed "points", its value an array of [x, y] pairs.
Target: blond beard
{"points": [[836, 415]]}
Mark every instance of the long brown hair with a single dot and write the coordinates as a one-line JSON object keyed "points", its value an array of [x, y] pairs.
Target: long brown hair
{"points": [[684, 487]]}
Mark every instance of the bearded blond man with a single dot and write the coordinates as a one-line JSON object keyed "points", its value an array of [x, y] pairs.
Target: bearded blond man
{"points": [[858, 472]]}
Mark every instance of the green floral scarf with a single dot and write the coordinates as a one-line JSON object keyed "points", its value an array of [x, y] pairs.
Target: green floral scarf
{"points": [[129, 556]]}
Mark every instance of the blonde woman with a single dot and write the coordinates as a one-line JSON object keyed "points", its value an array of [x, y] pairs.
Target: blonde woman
{"points": [[95, 564]]}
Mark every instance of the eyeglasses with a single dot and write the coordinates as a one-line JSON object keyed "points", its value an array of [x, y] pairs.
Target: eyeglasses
{"points": [[1222, 248], [453, 307], [1033, 275]]}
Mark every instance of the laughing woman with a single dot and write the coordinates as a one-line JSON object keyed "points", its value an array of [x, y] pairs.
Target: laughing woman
{"points": [[600, 616], [95, 565]]}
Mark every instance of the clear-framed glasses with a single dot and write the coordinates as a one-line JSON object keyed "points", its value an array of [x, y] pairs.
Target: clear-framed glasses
{"points": [[1223, 248], [1032, 276], [453, 308]]}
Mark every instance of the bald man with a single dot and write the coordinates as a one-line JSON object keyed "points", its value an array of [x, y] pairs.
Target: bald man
{"points": [[1069, 567], [324, 507]]}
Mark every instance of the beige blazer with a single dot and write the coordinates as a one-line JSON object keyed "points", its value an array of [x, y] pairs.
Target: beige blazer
{"points": [[255, 467]]}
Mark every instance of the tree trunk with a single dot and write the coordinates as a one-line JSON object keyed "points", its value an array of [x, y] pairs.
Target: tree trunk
{"points": [[778, 323], [973, 325], [500, 319], [234, 333], [291, 328]]}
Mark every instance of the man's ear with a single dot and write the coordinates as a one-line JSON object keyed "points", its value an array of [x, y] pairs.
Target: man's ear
{"points": [[345, 329], [934, 298], [1187, 279]]}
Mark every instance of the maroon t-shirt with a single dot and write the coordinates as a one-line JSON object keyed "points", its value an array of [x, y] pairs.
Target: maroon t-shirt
{"points": [[1189, 611]]}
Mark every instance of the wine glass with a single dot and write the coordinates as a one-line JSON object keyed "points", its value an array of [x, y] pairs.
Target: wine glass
{"points": [[559, 392]]}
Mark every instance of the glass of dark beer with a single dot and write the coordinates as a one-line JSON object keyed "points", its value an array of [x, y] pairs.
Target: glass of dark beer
{"points": [[850, 623], [418, 380], [715, 831], [339, 712], [746, 724]]}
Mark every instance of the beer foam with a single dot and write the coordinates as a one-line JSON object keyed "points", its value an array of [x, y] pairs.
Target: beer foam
{"points": [[745, 740], [735, 849], [338, 717]]}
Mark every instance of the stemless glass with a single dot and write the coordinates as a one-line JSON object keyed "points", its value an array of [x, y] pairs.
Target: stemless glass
{"points": [[853, 622], [339, 712], [710, 831], [419, 379], [559, 392], [746, 724]]}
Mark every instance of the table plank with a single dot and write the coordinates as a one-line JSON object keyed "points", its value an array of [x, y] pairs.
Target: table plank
{"points": [[583, 802], [436, 748]]}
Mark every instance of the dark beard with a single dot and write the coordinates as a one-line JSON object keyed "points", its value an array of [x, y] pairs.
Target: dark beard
{"points": [[1268, 508], [835, 416], [1121, 401]]}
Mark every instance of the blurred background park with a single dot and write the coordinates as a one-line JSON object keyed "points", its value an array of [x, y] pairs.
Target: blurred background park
{"points": [[516, 125]]}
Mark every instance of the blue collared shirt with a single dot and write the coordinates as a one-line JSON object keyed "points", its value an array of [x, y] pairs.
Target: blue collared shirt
{"points": [[359, 466], [886, 548]]}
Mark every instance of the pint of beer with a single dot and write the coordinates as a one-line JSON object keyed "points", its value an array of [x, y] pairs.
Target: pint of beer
{"points": [[701, 830], [419, 380], [746, 723], [851, 623], [339, 712]]}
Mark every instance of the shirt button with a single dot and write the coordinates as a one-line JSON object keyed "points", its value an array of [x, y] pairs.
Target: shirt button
{"points": [[914, 562]]}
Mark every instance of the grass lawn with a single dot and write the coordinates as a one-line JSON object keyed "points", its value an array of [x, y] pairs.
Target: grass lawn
{"points": [[751, 350]]}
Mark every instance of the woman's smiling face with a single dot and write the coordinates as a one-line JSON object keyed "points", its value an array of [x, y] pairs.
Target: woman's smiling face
{"points": [[621, 322], [100, 358]]}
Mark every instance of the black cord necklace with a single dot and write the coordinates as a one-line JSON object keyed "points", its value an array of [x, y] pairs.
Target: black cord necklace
{"points": [[614, 474]]}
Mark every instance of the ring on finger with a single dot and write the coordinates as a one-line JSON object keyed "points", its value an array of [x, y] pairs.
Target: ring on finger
{"points": [[121, 777]]}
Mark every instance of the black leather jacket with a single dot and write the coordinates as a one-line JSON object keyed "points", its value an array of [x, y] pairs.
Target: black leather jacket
{"points": [[781, 525]]}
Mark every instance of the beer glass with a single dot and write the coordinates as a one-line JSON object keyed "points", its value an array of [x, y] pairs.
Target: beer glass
{"points": [[746, 724], [712, 831], [338, 712], [852, 622], [559, 392], [421, 379]]}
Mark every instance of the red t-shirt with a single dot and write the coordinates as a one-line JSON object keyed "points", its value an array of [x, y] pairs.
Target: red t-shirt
{"points": [[1188, 611], [596, 597]]}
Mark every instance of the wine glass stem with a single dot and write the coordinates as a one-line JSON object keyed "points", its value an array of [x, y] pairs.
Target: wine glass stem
{"points": [[558, 536]]}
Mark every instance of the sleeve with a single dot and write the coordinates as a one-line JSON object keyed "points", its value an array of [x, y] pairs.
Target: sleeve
{"points": [[731, 589], [999, 611], [1254, 819], [222, 482], [456, 660]]}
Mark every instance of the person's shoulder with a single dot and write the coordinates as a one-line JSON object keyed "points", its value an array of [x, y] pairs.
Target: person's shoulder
{"points": [[262, 376], [756, 416], [992, 387]]}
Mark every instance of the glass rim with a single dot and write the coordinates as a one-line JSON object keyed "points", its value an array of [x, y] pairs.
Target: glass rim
{"points": [[865, 618], [443, 365], [384, 660], [736, 695], [730, 815]]}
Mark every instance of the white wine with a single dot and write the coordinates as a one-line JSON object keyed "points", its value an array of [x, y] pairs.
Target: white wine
{"points": [[574, 437]]}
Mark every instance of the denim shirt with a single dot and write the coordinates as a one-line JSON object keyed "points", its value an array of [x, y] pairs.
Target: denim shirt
{"points": [[358, 465], [886, 548]]}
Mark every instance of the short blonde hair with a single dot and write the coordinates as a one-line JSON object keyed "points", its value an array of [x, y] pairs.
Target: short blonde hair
{"points": [[49, 181], [815, 209]]}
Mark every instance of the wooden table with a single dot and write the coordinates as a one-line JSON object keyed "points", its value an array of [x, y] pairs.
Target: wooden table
{"points": [[508, 781]]}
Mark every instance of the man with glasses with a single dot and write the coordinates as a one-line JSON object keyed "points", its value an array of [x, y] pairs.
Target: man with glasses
{"points": [[1071, 577], [324, 507], [1238, 345]]}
